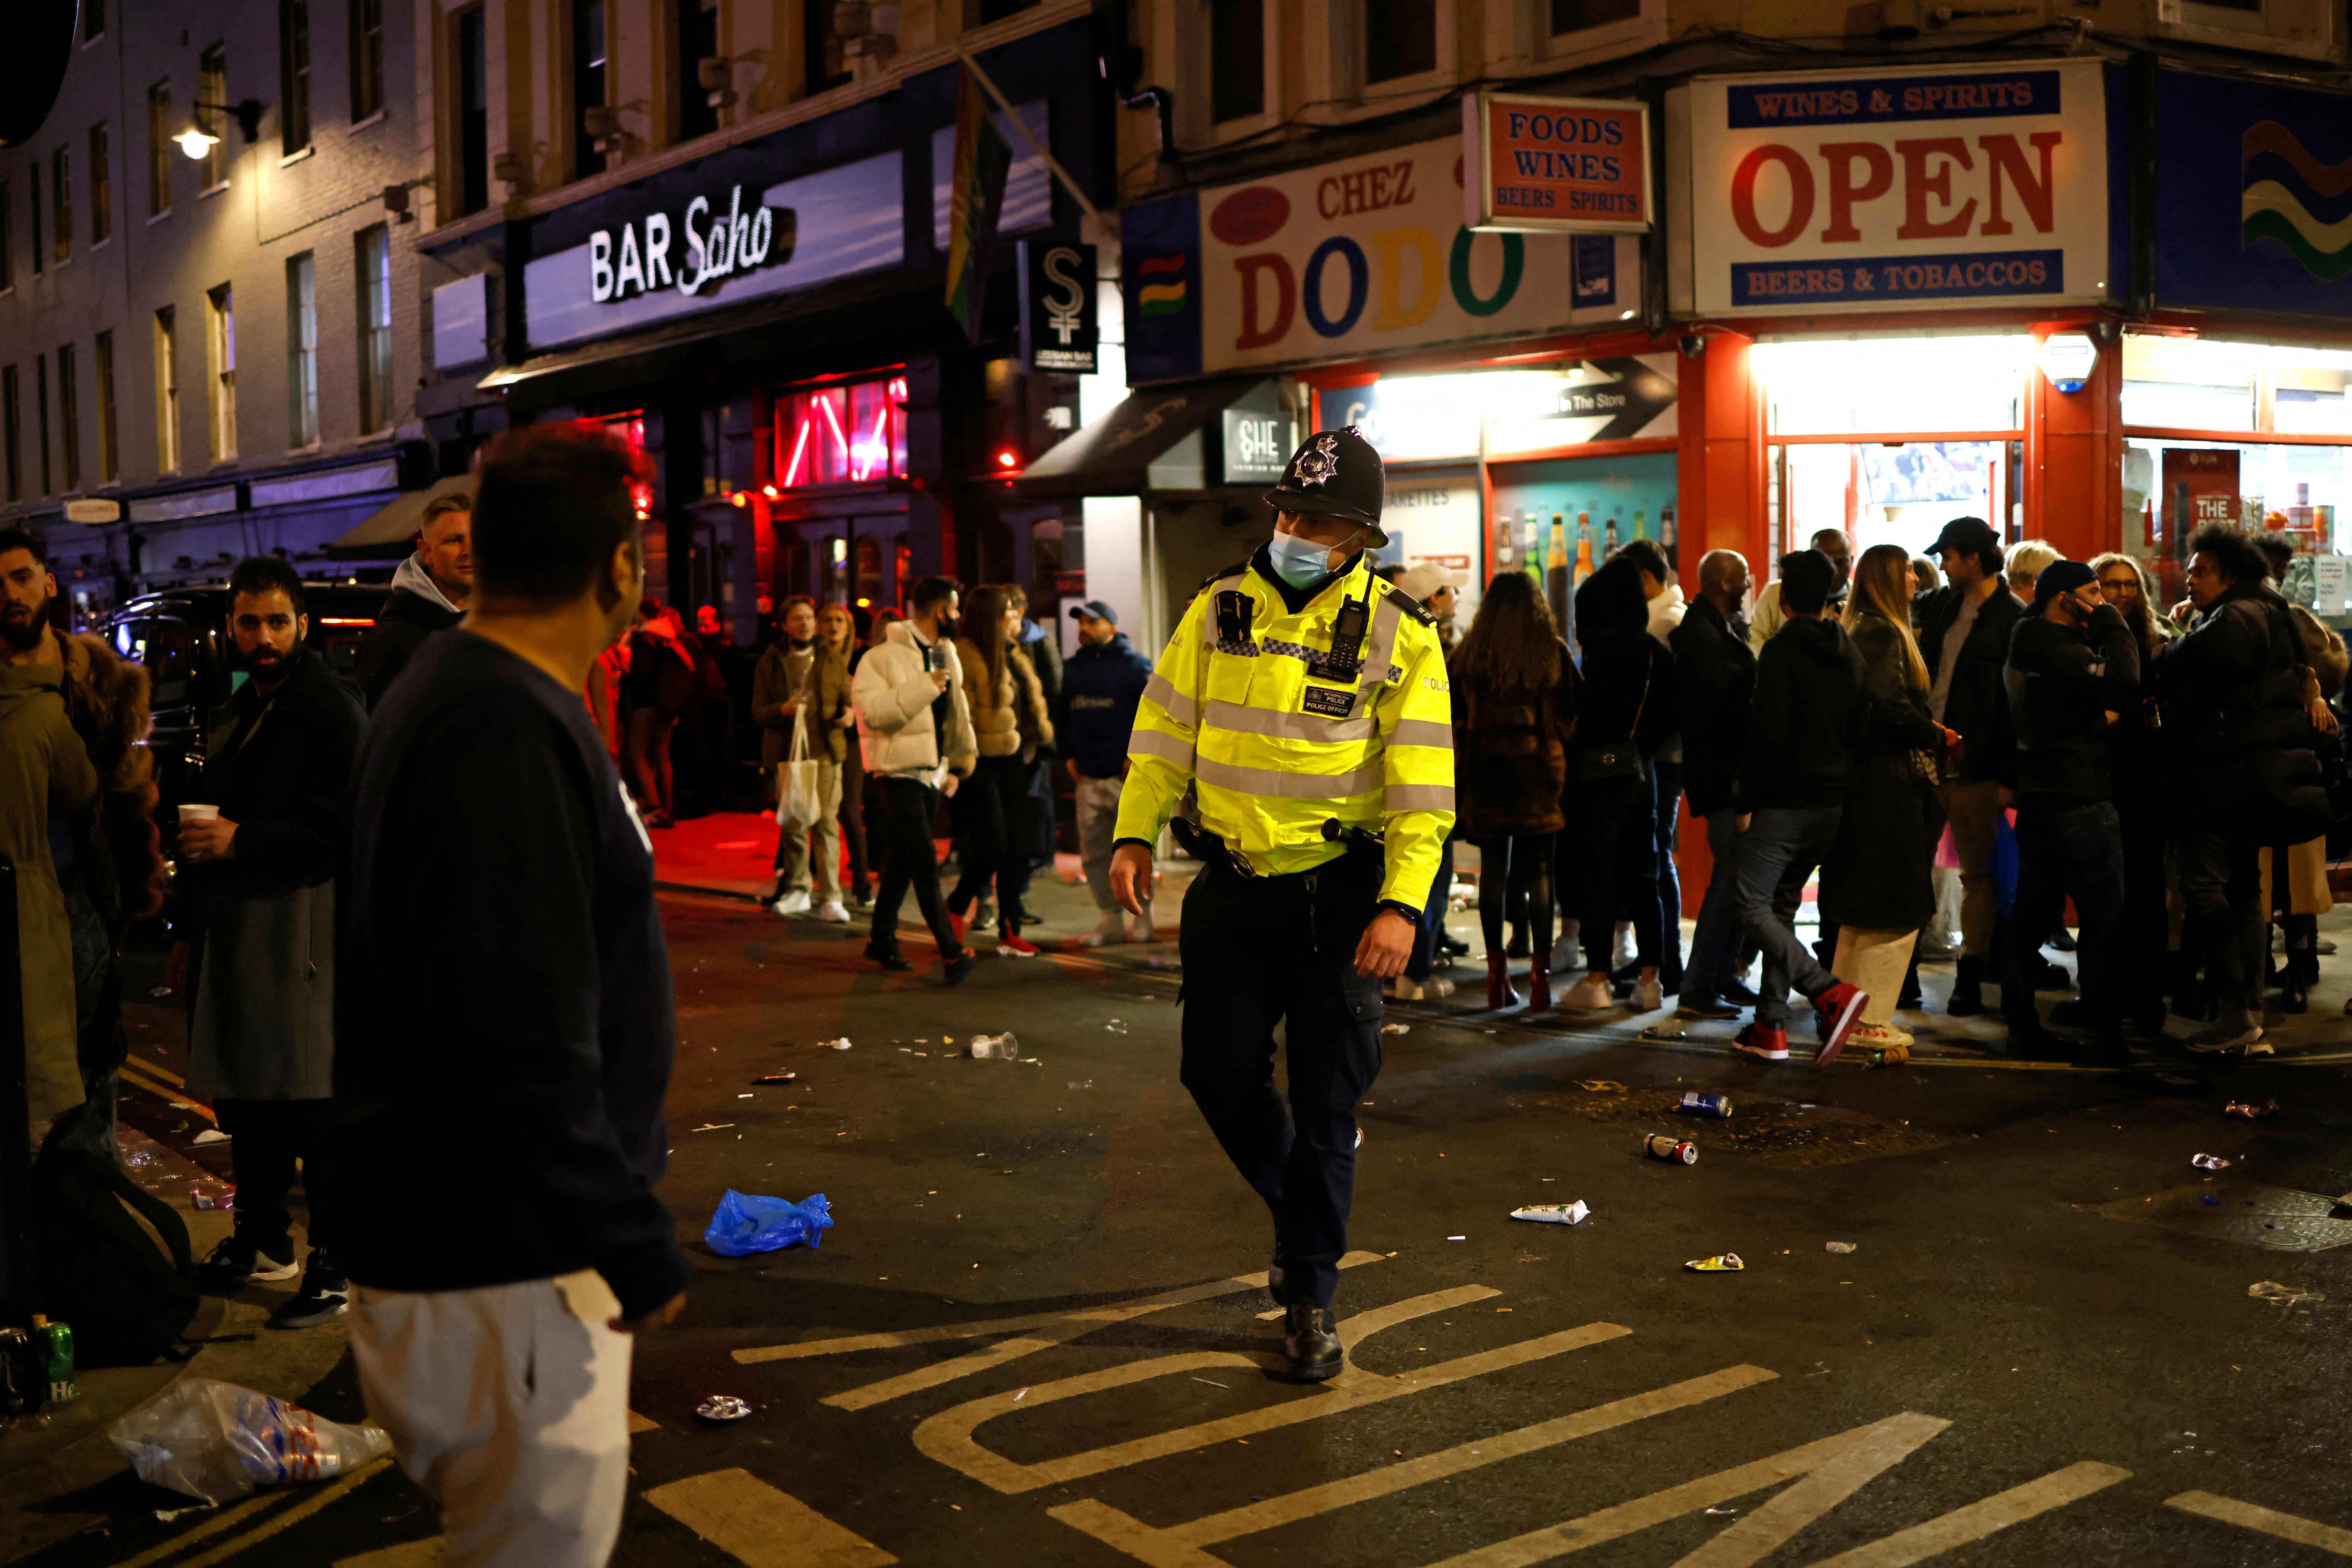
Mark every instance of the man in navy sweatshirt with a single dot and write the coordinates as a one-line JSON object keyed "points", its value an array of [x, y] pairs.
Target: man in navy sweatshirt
{"points": [[504, 983], [1101, 685]]}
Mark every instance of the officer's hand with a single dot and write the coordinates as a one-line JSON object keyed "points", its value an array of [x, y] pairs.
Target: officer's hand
{"points": [[1388, 943], [1130, 877]]}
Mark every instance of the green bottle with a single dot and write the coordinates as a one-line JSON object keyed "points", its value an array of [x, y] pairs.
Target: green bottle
{"points": [[55, 1340]]}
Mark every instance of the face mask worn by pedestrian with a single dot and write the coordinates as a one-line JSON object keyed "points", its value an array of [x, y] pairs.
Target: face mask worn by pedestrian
{"points": [[1297, 562]]}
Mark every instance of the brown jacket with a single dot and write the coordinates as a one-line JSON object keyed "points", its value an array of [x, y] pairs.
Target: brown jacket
{"points": [[1511, 751], [106, 696], [1012, 718], [777, 678]]}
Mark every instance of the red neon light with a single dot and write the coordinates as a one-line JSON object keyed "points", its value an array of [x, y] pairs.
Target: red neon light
{"points": [[878, 448], [839, 434], [800, 446], [346, 620]]}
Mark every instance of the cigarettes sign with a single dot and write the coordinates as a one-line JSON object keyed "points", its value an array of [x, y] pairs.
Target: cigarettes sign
{"points": [[1859, 191], [1572, 165]]}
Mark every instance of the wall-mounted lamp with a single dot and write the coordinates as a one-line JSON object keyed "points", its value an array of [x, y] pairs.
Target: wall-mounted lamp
{"points": [[196, 142]]}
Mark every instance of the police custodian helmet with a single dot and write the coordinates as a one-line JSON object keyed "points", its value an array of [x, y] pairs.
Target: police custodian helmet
{"points": [[1335, 473]]}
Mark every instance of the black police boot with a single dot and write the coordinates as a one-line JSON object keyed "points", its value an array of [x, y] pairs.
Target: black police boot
{"points": [[1968, 989], [1311, 1351]]}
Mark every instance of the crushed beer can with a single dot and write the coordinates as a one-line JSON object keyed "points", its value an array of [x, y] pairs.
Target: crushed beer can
{"points": [[1722, 1263], [1554, 1214], [198, 1198], [1666, 1146], [2210, 1163], [1885, 1056], [723, 1407], [1693, 1103], [2250, 1110]]}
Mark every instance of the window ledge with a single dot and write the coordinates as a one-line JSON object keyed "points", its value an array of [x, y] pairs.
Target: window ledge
{"points": [[312, 450], [101, 244], [370, 122], [154, 218], [212, 190], [296, 157]]}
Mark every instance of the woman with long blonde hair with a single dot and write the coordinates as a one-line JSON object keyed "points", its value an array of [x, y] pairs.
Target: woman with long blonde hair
{"points": [[1875, 886]]}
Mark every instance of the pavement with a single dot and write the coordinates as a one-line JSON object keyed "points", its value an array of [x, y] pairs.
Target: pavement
{"points": [[1036, 1333]]}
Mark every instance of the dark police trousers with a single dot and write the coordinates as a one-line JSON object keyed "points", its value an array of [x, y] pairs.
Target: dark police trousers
{"points": [[1267, 950]]}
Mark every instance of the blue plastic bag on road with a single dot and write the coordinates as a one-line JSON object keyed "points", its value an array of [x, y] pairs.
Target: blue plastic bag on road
{"points": [[747, 1223]]}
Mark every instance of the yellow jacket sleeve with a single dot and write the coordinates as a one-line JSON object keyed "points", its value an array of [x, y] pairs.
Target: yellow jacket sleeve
{"points": [[1162, 747], [1416, 719]]}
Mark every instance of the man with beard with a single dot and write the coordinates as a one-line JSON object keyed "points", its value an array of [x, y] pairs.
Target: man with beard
{"points": [[105, 859], [257, 948], [45, 777], [428, 593]]}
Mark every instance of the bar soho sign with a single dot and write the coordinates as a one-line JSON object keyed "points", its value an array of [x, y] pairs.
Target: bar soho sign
{"points": [[1847, 191], [727, 242]]}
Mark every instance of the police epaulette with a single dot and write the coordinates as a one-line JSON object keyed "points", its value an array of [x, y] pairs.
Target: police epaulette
{"points": [[1412, 607], [1222, 573]]}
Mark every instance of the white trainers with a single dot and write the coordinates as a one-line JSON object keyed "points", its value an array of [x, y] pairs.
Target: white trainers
{"points": [[1621, 949], [1438, 985], [1566, 956], [1407, 989], [1648, 996], [831, 909], [1109, 932], [792, 904], [1590, 995]]}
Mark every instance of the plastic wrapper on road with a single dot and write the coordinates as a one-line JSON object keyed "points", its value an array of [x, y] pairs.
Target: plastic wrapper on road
{"points": [[216, 1441], [746, 1223]]}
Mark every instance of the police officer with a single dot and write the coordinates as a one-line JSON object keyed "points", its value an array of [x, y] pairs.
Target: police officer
{"points": [[1303, 703]]}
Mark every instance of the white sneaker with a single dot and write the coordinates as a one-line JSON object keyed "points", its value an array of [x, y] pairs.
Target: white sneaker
{"points": [[792, 904], [1566, 956], [1648, 996], [1110, 932], [831, 909], [1621, 949], [1438, 985], [1590, 995], [983, 915], [1407, 989]]}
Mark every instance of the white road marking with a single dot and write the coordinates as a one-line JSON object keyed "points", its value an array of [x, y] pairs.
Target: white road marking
{"points": [[2285, 1526], [760, 1527]]}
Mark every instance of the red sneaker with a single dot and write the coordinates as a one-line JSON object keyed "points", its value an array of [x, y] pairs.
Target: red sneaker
{"points": [[1012, 946], [1837, 1010], [1765, 1042]]}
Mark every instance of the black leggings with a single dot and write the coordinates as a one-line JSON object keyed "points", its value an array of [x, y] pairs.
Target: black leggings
{"points": [[1516, 871], [1620, 865], [910, 806], [992, 812]]}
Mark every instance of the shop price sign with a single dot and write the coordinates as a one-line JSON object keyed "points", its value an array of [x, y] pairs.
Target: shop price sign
{"points": [[1870, 191], [1576, 165]]}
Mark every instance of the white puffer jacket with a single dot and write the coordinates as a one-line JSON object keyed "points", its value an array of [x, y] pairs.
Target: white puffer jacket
{"points": [[893, 695]]}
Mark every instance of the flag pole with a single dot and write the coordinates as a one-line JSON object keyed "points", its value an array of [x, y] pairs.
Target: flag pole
{"points": [[1021, 124]]}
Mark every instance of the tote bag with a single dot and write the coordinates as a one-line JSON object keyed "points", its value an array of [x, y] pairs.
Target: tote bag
{"points": [[799, 791]]}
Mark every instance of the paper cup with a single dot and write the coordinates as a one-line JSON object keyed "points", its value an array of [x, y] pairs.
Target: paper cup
{"points": [[199, 813]]}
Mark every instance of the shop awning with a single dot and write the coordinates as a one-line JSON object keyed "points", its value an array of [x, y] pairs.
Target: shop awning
{"points": [[385, 535], [1133, 448]]}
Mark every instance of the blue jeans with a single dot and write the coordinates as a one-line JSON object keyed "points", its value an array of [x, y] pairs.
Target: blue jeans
{"points": [[1783, 844], [2068, 851], [1715, 941], [1433, 917]]}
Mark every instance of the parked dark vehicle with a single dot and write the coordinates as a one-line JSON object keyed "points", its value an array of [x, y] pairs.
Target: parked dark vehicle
{"points": [[181, 634]]}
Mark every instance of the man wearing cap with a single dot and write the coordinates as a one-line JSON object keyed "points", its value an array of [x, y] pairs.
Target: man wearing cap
{"points": [[1303, 702], [1964, 637], [2073, 666], [1101, 684]]}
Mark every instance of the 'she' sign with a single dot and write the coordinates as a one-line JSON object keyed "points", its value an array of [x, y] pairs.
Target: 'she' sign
{"points": [[1564, 165], [1866, 191]]}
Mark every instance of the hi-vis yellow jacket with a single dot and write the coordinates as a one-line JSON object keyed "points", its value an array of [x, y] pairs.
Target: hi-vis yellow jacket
{"points": [[1276, 751]]}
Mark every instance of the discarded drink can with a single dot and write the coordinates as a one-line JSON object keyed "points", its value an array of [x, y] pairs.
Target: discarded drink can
{"points": [[2210, 1162], [1666, 1146], [1696, 1104], [56, 1342], [723, 1407], [200, 1199], [1885, 1056], [1722, 1263], [1554, 1214], [2250, 1110]]}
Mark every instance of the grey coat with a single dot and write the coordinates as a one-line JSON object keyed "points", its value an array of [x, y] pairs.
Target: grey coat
{"points": [[263, 1027]]}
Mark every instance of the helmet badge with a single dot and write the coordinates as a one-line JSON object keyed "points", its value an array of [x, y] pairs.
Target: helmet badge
{"points": [[1320, 460]]}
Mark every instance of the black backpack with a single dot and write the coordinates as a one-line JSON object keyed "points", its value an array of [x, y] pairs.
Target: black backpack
{"points": [[99, 1271]]}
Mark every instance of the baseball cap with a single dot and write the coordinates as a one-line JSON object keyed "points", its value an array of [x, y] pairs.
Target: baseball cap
{"points": [[2060, 577], [1971, 535], [1424, 578], [1096, 609]]}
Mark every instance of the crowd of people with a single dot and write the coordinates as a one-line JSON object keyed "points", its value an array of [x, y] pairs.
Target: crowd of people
{"points": [[2040, 730]]}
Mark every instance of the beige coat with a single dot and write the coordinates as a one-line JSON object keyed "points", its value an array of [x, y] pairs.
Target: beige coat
{"points": [[1012, 718], [893, 696], [44, 768]]}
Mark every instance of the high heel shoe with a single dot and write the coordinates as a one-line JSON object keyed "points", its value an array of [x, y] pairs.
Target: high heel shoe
{"points": [[1539, 989], [1499, 993]]}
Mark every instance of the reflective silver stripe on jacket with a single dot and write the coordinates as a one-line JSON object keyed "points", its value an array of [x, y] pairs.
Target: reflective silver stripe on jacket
{"points": [[1159, 743], [1418, 798], [1292, 785], [1183, 709], [1422, 733], [1239, 720]]}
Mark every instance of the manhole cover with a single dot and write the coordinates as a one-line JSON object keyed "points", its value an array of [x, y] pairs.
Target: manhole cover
{"points": [[2280, 1218]]}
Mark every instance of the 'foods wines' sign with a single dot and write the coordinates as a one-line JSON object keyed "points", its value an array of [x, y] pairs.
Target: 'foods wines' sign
{"points": [[1857, 191], [1569, 165]]}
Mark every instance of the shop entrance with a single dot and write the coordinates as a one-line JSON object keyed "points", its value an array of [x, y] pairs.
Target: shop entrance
{"points": [[1891, 492]]}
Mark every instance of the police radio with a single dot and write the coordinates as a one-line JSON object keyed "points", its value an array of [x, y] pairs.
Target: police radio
{"points": [[1346, 656]]}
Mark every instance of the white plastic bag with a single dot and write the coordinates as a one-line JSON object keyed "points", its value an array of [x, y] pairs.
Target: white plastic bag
{"points": [[799, 795], [217, 1441]]}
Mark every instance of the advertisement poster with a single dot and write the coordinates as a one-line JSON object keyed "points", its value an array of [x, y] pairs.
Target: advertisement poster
{"points": [[1842, 191], [2200, 486], [1347, 260], [1434, 517], [1558, 519], [2253, 195]]}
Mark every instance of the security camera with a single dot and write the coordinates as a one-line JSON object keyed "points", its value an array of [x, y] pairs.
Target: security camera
{"points": [[1694, 345]]}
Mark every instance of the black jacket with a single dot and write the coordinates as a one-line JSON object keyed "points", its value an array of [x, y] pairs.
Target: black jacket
{"points": [[502, 980], [1977, 703], [405, 620], [1628, 688], [279, 767], [2232, 702], [1808, 684], [2062, 683], [1101, 687], [1878, 877], [1715, 677]]}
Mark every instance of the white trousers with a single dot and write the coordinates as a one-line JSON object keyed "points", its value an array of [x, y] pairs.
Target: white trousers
{"points": [[509, 1405]]}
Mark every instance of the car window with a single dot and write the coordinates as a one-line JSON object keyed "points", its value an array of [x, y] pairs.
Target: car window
{"points": [[171, 652], [130, 640]]}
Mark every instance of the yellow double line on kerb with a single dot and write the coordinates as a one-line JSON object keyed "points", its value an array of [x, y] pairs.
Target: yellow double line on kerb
{"points": [[305, 1504]]}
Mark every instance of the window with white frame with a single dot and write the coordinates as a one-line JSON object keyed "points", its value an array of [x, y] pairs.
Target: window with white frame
{"points": [[220, 371]]}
